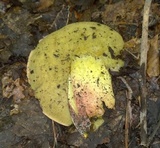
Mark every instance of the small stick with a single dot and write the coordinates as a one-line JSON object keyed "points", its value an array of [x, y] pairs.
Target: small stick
{"points": [[128, 111], [54, 134], [142, 79]]}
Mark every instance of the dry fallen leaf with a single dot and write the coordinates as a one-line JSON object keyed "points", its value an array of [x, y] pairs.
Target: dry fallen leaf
{"points": [[153, 66], [12, 88], [126, 11], [44, 4], [14, 19], [18, 91]]}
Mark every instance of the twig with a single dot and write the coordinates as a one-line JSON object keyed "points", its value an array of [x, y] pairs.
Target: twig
{"points": [[128, 118], [54, 134], [143, 64]]}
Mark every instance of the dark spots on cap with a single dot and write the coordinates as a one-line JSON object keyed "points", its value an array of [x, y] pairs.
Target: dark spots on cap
{"points": [[64, 89], [104, 54], [111, 52], [85, 93], [78, 94], [41, 91], [94, 35], [99, 24], [111, 29], [34, 80], [94, 28], [50, 68], [74, 86], [58, 94], [68, 56], [58, 86], [97, 81], [78, 85], [45, 55], [57, 50], [56, 69], [91, 71], [77, 56], [56, 55], [32, 72], [100, 35], [102, 72], [86, 37], [59, 102], [75, 31]]}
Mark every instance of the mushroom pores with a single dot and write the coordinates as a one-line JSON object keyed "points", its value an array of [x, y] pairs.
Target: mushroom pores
{"points": [[49, 65], [91, 85]]}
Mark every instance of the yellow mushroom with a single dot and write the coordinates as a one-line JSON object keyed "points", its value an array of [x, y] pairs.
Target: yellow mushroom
{"points": [[68, 71]]}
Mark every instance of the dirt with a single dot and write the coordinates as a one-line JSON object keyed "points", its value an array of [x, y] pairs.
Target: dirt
{"points": [[24, 23]]}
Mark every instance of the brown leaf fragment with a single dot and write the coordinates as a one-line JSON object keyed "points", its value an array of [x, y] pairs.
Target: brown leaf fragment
{"points": [[153, 66], [7, 85], [133, 45], [44, 4], [18, 91], [123, 11], [12, 88]]}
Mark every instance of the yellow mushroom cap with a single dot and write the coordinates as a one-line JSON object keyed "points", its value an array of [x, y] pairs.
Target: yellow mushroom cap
{"points": [[49, 64]]}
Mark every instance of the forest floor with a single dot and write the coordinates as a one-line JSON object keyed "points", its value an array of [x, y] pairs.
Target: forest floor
{"points": [[24, 23]]}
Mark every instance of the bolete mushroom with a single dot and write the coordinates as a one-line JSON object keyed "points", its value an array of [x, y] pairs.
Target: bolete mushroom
{"points": [[68, 71]]}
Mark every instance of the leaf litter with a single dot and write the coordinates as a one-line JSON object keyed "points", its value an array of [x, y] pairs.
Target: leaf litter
{"points": [[27, 125]]}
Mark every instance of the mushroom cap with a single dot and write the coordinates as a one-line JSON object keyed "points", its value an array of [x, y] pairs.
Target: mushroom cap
{"points": [[49, 63]]}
